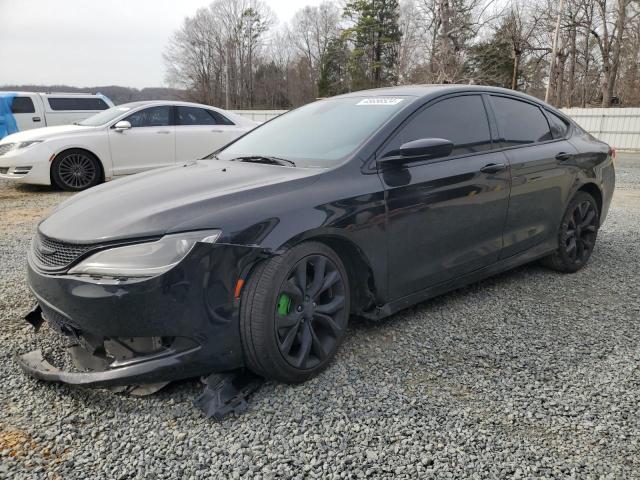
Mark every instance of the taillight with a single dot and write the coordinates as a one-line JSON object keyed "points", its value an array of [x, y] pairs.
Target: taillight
{"points": [[612, 152]]}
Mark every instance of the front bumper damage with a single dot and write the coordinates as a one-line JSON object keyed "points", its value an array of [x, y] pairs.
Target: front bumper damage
{"points": [[142, 331], [119, 362]]}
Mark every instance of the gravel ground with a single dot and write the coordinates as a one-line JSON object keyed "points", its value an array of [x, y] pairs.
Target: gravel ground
{"points": [[528, 374]]}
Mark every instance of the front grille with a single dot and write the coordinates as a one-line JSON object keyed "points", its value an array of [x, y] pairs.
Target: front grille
{"points": [[51, 254], [7, 147]]}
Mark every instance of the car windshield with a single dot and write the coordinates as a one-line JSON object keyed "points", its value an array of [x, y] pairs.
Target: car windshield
{"points": [[105, 116], [319, 134]]}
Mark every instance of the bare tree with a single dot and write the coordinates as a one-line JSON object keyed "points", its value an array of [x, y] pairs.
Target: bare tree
{"points": [[409, 51], [449, 28], [608, 32], [520, 24], [629, 72], [191, 57], [215, 50], [312, 29]]}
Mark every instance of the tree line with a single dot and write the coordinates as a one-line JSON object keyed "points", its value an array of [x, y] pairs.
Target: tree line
{"points": [[234, 54]]}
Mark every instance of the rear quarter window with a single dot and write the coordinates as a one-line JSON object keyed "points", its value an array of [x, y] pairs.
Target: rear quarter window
{"points": [[559, 127], [70, 103], [520, 123], [22, 105], [220, 119]]}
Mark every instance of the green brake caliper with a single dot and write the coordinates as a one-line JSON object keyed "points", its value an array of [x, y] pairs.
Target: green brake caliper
{"points": [[284, 305]]}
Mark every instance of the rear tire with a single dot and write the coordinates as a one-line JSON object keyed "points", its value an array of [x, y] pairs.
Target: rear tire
{"points": [[75, 170], [577, 235], [294, 313]]}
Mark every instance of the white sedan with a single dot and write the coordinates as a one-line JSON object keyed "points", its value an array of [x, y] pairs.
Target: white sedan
{"points": [[125, 139]]}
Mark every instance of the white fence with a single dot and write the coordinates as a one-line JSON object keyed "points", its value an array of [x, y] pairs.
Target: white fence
{"points": [[619, 127], [259, 115]]}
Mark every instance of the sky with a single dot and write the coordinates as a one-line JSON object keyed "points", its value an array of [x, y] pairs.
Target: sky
{"points": [[86, 43]]}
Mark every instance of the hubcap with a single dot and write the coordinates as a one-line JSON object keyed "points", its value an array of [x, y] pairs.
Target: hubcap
{"points": [[308, 329], [77, 170], [581, 232]]}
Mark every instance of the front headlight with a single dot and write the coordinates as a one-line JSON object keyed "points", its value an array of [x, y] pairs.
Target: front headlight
{"points": [[10, 147], [144, 259]]}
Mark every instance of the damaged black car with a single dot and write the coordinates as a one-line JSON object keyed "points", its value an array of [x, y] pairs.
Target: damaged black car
{"points": [[253, 259]]}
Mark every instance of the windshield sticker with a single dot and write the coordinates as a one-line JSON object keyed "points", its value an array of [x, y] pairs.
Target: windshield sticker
{"points": [[380, 101]]}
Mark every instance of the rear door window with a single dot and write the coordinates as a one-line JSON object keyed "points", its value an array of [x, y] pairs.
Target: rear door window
{"points": [[22, 105], [200, 116], [150, 117], [520, 123], [70, 103], [195, 116], [461, 120]]}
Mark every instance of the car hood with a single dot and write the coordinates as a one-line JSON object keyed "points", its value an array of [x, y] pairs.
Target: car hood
{"points": [[171, 199], [44, 133]]}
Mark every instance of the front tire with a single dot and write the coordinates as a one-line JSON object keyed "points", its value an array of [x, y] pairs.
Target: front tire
{"points": [[75, 170], [577, 235], [294, 313]]}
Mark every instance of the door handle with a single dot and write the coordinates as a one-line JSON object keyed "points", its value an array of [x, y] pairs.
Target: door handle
{"points": [[562, 156], [217, 131], [493, 168], [163, 131], [36, 119]]}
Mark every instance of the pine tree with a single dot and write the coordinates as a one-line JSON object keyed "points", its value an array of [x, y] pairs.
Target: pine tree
{"points": [[334, 77], [375, 36], [491, 62]]}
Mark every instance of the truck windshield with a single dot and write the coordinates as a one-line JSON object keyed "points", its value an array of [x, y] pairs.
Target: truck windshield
{"points": [[319, 134], [105, 117]]}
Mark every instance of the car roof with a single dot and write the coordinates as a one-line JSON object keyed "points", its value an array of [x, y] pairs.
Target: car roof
{"points": [[432, 90], [166, 102]]}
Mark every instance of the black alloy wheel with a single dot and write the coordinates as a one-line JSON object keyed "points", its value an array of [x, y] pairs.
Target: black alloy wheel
{"points": [[580, 236], [309, 320], [75, 170], [578, 233], [294, 313]]}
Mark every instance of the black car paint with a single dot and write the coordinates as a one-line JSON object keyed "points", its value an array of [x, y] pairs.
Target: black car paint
{"points": [[406, 233]]}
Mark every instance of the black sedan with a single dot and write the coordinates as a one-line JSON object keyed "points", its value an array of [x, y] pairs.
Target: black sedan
{"points": [[362, 204]]}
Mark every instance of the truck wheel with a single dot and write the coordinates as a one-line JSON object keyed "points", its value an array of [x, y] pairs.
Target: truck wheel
{"points": [[294, 313], [75, 170]]}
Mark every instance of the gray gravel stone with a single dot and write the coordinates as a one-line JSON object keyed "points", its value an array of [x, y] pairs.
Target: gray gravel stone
{"points": [[528, 374]]}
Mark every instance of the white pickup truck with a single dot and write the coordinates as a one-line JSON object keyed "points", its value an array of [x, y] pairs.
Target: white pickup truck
{"points": [[26, 110]]}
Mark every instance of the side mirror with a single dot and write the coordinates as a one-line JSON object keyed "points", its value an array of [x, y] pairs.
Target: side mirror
{"points": [[121, 126], [422, 149]]}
